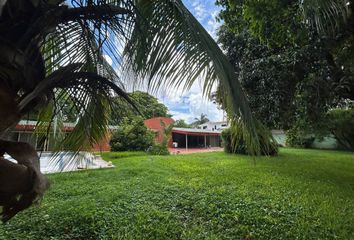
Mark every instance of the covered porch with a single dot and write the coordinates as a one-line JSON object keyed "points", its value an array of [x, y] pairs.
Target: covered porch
{"points": [[189, 138]]}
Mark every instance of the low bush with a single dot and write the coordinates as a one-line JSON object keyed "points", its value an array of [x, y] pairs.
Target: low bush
{"points": [[158, 149], [342, 126], [268, 144], [295, 137], [132, 136]]}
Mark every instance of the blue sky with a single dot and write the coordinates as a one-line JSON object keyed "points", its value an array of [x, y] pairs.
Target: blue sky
{"points": [[191, 104]]}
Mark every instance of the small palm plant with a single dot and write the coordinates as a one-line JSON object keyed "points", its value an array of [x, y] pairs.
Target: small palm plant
{"points": [[51, 60]]}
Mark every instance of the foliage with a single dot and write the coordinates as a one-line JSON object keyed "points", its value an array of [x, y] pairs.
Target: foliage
{"points": [[233, 141], [342, 126], [296, 137], [328, 16], [65, 51], [148, 105], [180, 123], [132, 135], [275, 22], [278, 22], [301, 194], [226, 142], [199, 121], [158, 149], [291, 74], [52, 53], [162, 148]]}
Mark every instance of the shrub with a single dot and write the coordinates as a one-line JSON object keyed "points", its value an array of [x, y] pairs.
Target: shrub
{"points": [[132, 136], [295, 137], [268, 144], [342, 126], [158, 149]]}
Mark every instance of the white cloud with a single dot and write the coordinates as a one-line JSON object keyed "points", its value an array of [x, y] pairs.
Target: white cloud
{"points": [[200, 10], [213, 25], [191, 104]]}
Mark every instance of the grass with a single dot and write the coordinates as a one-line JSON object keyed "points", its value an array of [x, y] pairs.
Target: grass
{"points": [[301, 194]]}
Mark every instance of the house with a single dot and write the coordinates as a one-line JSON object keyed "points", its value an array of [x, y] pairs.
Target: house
{"points": [[214, 126], [196, 138], [204, 137], [184, 137], [25, 131]]}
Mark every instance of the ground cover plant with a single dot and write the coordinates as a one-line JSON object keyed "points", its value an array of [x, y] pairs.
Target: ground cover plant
{"points": [[302, 193]]}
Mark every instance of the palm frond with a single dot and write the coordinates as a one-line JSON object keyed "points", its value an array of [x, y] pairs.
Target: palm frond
{"points": [[326, 16], [169, 48], [77, 73]]}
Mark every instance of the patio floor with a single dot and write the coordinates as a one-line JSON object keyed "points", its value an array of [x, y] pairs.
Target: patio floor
{"points": [[194, 150]]}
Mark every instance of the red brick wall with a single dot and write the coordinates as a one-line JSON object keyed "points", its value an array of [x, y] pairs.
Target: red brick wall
{"points": [[155, 125], [103, 144]]}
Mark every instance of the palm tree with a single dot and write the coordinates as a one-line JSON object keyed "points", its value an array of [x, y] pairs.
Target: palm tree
{"points": [[51, 57], [329, 16], [198, 121]]}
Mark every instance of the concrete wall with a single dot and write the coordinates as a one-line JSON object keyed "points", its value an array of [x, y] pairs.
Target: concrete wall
{"points": [[326, 143]]}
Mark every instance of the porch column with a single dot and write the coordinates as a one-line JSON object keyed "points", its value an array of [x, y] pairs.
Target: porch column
{"points": [[205, 141], [186, 141]]}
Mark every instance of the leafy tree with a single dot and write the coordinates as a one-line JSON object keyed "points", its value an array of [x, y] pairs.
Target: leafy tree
{"points": [[181, 124], [52, 53], [148, 105], [292, 75], [329, 16], [281, 83], [342, 126], [132, 135]]}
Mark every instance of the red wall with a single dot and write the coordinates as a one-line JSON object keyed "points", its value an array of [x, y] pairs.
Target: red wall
{"points": [[154, 124], [103, 144]]}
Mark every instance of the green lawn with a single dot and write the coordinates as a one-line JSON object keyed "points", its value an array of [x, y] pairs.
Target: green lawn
{"points": [[302, 194]]}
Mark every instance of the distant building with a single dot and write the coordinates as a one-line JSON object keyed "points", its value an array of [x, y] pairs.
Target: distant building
{"points": [[196, 138], [208, 135], [185, 137], [214, 126], [25, 131]]}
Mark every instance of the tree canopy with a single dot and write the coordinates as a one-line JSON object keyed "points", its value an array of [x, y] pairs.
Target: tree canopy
{"points": [[201, 120], [291, 71], [180, 123], [148, 106]]}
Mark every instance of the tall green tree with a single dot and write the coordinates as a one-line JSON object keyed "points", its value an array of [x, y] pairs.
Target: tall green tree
{"points": [[292, 70], [180, 123], [51, 52], [148, 105]]}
